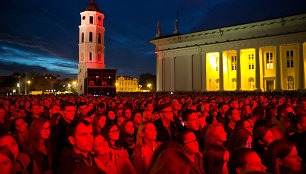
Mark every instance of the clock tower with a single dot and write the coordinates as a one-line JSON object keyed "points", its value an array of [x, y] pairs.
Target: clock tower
{"points": [[91, 43]]}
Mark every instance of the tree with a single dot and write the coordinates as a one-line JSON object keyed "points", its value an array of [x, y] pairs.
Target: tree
{"points": [[147, 78]]}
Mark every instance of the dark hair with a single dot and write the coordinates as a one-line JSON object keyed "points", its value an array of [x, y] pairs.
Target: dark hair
{"points": [[95, 122], [213, 159], [238, 159], [13, 127], [186, 114], [66, 104], [163, 106], [277, 149], [6, 152], [181, 136], [73, 124], [238, 139], [105, 133], [221, 104]]}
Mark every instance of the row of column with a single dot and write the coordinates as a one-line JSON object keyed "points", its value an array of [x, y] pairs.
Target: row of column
{"points": [[300, 66]]}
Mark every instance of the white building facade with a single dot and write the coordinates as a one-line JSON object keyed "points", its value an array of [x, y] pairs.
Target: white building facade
{"points": [[265, 56], [91, 43]]}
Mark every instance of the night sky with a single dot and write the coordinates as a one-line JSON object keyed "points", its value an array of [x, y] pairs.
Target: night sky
{"points": [[42, 35]]}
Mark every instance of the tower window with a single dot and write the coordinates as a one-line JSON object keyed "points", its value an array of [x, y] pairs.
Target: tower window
{"points": [[251, 61], [234, 62], [91, 20], [90, 36], [90, 56], [99, 38], [83, 17], [290, 62], [99, 18], [82, 37], [269, 59]]}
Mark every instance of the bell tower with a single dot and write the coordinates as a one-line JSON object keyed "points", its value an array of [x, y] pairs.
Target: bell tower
{"points": [[91, 43]]}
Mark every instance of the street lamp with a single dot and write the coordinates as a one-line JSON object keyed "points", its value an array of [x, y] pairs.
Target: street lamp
{"points": [[29, 82], [74, 83], [149, 85], [18, 86]]}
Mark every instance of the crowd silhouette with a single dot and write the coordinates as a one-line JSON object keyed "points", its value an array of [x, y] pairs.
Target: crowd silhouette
{"points": [[153, 133]]}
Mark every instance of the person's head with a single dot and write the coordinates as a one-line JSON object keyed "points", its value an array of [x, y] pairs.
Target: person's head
{"points": [[100, 145], [6, 161], [83, 108], [101, 107], [111, 115], [111, 133], [240, 138], [80, 135], [247, 125], [35, 109], [171, 160], [215, 159], [68, 111], [99, 122], [223, 107], [244, 159], [282, 156], [146, 115], [8, 141], [2, 115], [299, 122], [120, 120], [234, 104], [190, 119], [20, 125], [137, 118], [54, 109], [215, 134], [176, 106], [149, 106], [127, 113], [166, 112], [128, 127], [205, 107], [233, 114], [146, 132], [189, 142], [247, 110], [263, 137]]}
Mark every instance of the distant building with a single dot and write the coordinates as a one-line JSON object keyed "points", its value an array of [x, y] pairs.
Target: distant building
{"points": [[265, 56], [91, 54], [127, 84]]}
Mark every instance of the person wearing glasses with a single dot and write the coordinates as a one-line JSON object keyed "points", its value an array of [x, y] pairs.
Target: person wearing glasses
{"points": [[38, 146], [191, 149], [166, 128]]}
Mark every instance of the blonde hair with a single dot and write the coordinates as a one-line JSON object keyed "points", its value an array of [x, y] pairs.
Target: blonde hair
{"points": [[140, 133]]}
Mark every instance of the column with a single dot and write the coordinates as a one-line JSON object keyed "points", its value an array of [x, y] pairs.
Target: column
{"points": [[277, 70], [221, 86], [238, 75], [257, 66], [204, 87], [301, 68]]}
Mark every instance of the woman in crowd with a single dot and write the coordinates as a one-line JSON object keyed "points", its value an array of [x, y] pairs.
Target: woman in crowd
{"points": [[120, 120], [111, 116], [127, 113], [111, 134], [239, 139], [282, 158], [20, 130], [263, 137], [191, 149], [137, 120], [215, 159], [38, 146], [6, 161], [99, 122], [22, 162], [127, 136], [243, 160], [145, 147]]}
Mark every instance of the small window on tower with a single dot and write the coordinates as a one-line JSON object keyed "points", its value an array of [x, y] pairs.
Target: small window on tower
{"points": [[91, 19], [90, 36], [99, 18], [90, 56], [99, 38], [82, 37], [83, 17]]}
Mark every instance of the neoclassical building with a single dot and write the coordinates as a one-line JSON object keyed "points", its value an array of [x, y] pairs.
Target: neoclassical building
{"points": [[127, 84], [266, 56]]}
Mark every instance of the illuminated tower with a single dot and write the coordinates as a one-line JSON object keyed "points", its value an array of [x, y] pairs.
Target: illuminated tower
{"points": [[91, 43]]}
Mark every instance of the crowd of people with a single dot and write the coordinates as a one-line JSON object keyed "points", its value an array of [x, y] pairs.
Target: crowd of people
{"points": [[153, 133]]}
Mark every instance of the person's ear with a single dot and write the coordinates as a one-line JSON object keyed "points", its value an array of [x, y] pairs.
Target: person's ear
{"points": [[238, 170], [71, 140], [260, 142], [299, 126]]}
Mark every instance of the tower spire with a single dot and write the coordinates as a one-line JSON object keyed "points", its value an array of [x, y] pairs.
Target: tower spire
{"points": [[176, 25]]}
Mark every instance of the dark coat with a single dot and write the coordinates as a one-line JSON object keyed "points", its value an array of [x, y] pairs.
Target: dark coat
{"points": [[162, 133]]}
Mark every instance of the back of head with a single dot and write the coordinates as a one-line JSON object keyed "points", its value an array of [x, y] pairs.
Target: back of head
{"points": [[238, 159], [213, 158]]}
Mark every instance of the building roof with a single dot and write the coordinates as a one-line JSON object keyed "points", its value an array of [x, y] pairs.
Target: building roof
{"points": [[92, 6]]}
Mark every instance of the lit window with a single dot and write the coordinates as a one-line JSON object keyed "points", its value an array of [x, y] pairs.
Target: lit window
{"points": [[234, 62], [217, 64], [90, 36], [251, 61], [269, 59], [290, 63]]}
